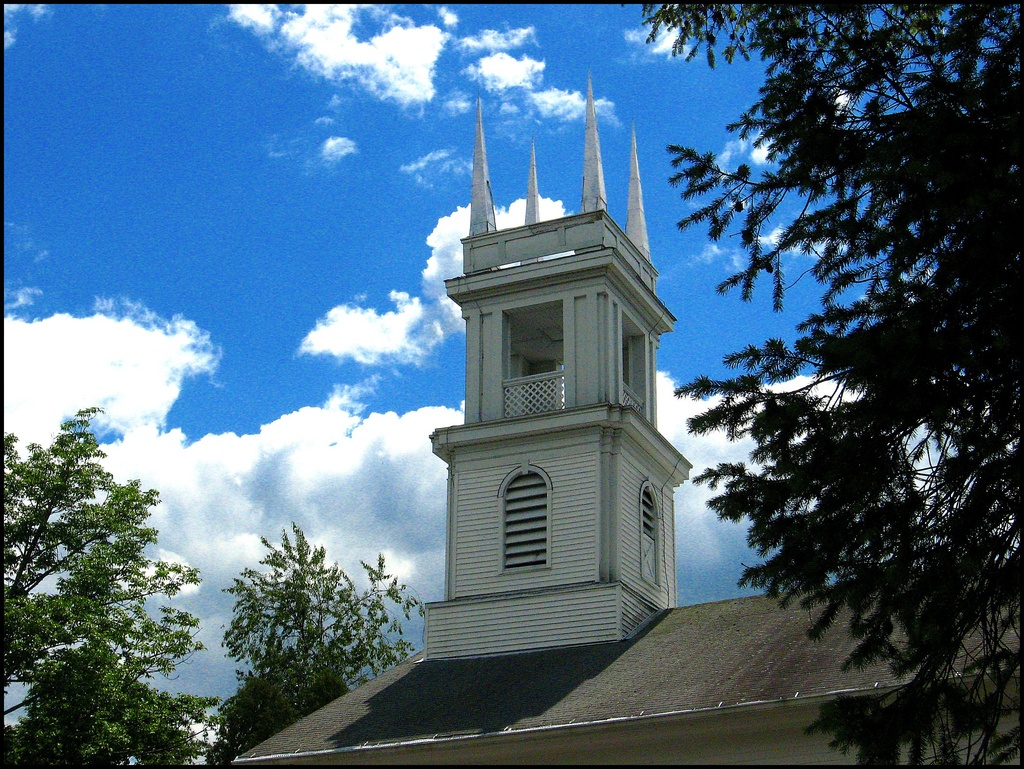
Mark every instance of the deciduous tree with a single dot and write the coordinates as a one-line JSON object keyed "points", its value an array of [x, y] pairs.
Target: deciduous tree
{"points": [[80, 645], [257, 711], [306, 634], [885, 482]]}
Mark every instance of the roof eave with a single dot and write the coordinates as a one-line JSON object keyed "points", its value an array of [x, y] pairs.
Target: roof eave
{"points": [[512, 735]]}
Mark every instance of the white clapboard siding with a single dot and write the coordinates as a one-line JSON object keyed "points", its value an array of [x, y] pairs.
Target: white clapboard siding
{"points": [[635, 610], [502, 624], [668, 547], [633, 476], [480, 566]]}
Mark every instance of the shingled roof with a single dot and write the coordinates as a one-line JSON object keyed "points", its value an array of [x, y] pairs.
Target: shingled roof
{"points": [[728, 653]]}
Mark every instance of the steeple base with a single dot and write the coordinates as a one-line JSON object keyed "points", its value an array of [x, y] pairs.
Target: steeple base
{"points": [[590, 612]]}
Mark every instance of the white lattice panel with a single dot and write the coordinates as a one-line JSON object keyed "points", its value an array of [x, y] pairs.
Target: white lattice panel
{"points": [[534, 396], [631, 400]]}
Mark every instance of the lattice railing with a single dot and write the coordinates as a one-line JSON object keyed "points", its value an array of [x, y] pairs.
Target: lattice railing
{"points": [[632, 400], [534, 394]]}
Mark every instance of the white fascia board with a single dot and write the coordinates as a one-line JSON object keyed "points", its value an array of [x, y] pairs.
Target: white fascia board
{"points": [[604, 265], [479, 435]]}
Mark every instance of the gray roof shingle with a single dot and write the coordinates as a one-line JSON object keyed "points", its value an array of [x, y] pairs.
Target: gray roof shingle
{"points": [[732, 652]]}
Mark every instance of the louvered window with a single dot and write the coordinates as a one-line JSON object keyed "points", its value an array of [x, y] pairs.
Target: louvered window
{"points": [[526, 521], [648, 535]]}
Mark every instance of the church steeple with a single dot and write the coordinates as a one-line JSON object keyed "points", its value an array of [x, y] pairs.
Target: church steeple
{"points": [[532, 196], [636, 222], [481, 204], [561, 518], [594, 198]]}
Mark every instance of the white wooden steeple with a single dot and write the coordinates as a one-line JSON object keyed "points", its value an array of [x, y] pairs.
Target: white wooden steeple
{"points": [[560, 525]]}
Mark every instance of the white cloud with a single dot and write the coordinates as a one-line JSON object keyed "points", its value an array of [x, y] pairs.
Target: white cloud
{"points": [[132, 363], [738, 150], [570, 105], [704, 544], [458, 103], [515, 214], [702, 540], [519, 82], [759, 152], [662, 45], [20, 297], [350, 397], [710, 253], [357, 485], [563, 105], [257, 17], [170, 557], [431, 157], [733, 150], [733, 258], [12, 11], [499, 72], [772, 238], [362, 334], [445, 261], [363, 483], [702, 450], [337, 147], [492, 40], [448, 17], [425, 170], [408, 333], [396, 64]]}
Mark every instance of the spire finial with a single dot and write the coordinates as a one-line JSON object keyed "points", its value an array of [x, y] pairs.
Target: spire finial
{"points": [[481, 203], [532, 196], [636, 222], [593, 175]]}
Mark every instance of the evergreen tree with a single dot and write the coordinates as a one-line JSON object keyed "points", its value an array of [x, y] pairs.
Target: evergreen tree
{"points": [[885, 482]]}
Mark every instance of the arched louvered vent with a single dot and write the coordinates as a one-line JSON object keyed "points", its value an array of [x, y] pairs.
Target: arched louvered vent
{"points": [[526, 521], [648, 535]]}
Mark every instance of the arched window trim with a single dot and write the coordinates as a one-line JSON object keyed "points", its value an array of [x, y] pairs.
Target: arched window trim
{"points": [[650, 544], [522, 470], [525, 469]]}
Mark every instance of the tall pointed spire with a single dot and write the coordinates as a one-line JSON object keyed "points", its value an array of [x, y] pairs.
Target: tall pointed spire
{"points": [[532, 196], [636, 222], [593, 175], [481, 203]]}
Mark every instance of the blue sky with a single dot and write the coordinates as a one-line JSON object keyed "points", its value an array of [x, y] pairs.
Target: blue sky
{"points": [[230, 226]]}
